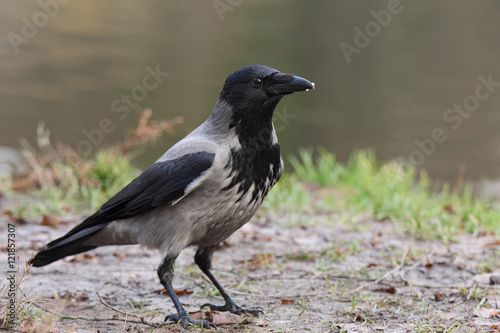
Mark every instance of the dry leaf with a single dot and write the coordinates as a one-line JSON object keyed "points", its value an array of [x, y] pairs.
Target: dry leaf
{"points": [[494, 243], [225, 318], [450, 209], [357, 317], [183, 292], [439, 296], [285, 300], [27, 325], [80, 296], [390, 290], [118, 255], [428, 263], [83, 257], [50, 221], [198, 315], [10, 215], [260, 259], [261, 237], [20, 185], [30, 325], [177, 292]]}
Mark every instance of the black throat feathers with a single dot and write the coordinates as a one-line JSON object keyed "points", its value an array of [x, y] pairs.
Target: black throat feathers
{"points": [[258, 161]]}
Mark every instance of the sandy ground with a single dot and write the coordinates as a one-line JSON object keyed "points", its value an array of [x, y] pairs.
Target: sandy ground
{"points": [[332, 276]]}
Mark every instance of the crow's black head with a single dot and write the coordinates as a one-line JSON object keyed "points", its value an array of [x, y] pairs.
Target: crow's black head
{"points": [[254, 91]]}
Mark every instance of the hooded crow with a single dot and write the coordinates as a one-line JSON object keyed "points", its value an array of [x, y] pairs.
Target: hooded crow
{"points": [[201, 190]]}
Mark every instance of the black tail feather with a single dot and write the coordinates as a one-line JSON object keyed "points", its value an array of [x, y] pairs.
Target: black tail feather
{"points": [[50, 255], [70, 244]]}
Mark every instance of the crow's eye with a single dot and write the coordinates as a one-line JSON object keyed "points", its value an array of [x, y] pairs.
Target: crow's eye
{"points": [[256, 82]]}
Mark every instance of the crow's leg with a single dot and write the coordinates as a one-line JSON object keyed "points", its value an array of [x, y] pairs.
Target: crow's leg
{"points": [[166, 274], [203, 259]]}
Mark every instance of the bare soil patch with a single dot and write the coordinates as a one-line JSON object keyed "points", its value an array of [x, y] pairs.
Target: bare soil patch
{"points": [[332, 276]]}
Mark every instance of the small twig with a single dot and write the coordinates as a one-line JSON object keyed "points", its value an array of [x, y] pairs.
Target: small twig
{"points": [[140, 320], [315, 276], [412, 267], [114, 318], [280, 296], [400, 266], [126, 314]]}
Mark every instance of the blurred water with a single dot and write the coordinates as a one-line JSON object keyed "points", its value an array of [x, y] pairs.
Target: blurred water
{"points": [[412, 61]]}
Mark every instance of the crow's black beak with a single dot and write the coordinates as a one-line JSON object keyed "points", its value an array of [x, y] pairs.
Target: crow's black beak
{"points": [[284, 84]]}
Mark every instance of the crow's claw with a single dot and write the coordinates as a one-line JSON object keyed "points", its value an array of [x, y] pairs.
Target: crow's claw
{"points": [[186, 321], [234, 308]]}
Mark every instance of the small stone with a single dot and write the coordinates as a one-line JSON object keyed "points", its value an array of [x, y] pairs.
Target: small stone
{"points": [[495, 279], [439, 296]]}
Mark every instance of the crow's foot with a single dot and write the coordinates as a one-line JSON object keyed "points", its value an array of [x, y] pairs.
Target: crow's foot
{"points": [[186, 321], [234, 308]]}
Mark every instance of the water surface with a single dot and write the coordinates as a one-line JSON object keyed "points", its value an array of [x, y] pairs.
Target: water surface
{"points": [[393, 92]]}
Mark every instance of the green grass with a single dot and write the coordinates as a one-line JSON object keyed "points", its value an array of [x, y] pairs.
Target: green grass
{"points": [[384, 191]]}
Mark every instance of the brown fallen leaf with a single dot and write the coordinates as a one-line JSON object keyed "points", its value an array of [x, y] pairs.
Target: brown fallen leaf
{"points": [[439, 296], [450, 209], [262, 259], [357, 317], [177, 292], [376, 240], [119, 256], [10, 215], [261, 237], [285, 300], [20, 185], [81, 296], [428, 263], [50, 221], [390, 290], [28, 325], [198, 315], [225, 318], [183, 292], [494, 243], [83, 257]]}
